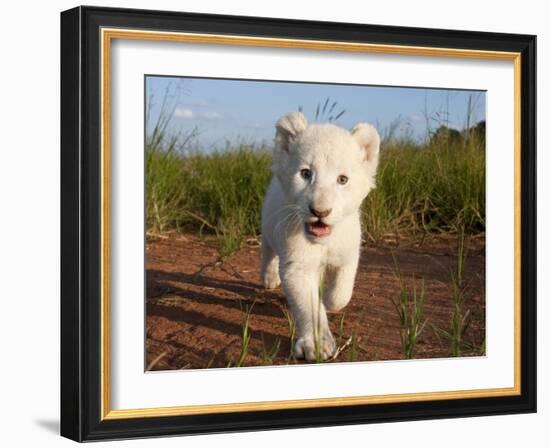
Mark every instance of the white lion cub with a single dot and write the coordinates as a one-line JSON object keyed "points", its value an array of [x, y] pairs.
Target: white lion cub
{"points": [[310, 221]]}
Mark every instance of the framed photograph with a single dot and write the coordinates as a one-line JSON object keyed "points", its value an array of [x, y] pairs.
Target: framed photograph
{"points": [[276, 224]]}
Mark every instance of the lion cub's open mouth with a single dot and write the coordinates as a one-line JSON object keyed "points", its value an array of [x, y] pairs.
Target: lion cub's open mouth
{"points": [[318, 229]]}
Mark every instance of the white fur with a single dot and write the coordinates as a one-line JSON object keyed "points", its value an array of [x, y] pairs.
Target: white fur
{"points": [[292, 255]]}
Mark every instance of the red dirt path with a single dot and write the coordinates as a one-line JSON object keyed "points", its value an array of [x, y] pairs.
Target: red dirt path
{"points": [[196, 304]]}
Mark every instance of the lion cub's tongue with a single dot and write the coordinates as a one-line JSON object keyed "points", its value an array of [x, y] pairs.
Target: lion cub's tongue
{"points": [[319, 229]]}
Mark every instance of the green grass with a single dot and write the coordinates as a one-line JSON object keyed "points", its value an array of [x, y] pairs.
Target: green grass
{"points": [[410, 309], [421, 190], [245, 337], [341, 328], [219, 193], [427, 189], [269, 354], [460, 317]]}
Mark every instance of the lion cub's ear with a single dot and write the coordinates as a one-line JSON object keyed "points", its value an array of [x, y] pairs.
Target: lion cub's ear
{"points": [[288, 128], [369, 141]]}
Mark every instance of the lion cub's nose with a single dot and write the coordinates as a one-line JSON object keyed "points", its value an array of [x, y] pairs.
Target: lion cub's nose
{"points": [[320, 213]]}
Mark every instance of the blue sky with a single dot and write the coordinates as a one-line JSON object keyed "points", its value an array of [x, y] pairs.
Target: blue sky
{"points": [[246, 111]]}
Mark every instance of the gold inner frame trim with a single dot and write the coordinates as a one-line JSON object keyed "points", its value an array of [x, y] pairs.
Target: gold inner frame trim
{"points": [[107, 35]]}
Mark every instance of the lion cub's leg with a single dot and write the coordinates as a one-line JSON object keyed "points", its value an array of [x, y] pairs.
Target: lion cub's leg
{"points": [[301, 287], [270, 267], [339, 282]]}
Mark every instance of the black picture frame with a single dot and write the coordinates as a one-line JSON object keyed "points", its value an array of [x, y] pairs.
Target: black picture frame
{"points": [[81, 224]]}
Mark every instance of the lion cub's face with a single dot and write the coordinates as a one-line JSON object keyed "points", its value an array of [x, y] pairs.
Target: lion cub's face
{"points": [[325, 171]]}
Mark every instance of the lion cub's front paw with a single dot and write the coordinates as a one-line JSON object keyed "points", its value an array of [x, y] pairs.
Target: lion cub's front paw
{"points": [[271, 279], [305, 348]]}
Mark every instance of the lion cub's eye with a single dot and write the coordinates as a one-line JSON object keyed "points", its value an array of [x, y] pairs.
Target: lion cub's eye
{"points": [[342, 180], [305, 173]]}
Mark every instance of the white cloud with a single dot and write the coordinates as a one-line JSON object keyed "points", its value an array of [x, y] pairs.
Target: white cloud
{"points": [[183, 112], [188, 113], [211, 115]]}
